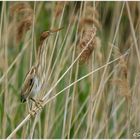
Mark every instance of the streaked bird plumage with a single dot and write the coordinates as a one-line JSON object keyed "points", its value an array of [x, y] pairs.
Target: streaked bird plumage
{"points": [[32, 83]]}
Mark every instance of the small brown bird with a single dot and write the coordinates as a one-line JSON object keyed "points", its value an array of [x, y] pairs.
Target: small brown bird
{"points": [[32, 83]]}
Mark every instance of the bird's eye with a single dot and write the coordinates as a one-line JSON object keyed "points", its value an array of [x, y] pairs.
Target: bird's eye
{"points": [[31, 81]]}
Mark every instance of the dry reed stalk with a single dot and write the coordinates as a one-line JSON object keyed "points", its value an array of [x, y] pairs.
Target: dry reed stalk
{"points": [[77, 58], [64, 51], [2, 64], [133, 31], [14, 62], [66, 129], [48, 72], [5, 83], [73, 106], [55, 42], [62, 56], [50, 114]]}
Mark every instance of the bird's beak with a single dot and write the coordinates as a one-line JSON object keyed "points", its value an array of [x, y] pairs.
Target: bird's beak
{"points": [[55, 30]]}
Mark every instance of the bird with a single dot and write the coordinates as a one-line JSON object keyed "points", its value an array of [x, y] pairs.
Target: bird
{"points": [[32, 83]]}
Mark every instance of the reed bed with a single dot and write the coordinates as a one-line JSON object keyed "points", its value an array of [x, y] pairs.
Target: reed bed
{"points": [[89, 69]]}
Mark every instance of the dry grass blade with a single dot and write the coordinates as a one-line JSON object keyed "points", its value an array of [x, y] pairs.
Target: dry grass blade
{"points": [[133, 32]]}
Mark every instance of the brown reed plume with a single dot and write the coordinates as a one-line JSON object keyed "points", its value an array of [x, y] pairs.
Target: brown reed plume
{"points": [[23, 27], [122, 81], [89, 25], [23, 14], [59, 8], [91, 17], [86, 37], [19, 7]]}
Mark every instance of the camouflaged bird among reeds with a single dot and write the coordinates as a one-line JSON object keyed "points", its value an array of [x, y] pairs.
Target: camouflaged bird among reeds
{"points": [[33, 83]]}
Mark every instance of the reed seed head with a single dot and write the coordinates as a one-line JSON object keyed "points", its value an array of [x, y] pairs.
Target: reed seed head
{"points": [[87, 36], [23, 14]]}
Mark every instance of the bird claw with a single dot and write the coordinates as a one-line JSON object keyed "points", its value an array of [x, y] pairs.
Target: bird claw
{"points": [[33, 113], [38, 103]]}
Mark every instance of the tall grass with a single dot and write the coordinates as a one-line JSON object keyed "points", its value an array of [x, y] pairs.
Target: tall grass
{"points": [[90, 69]]}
